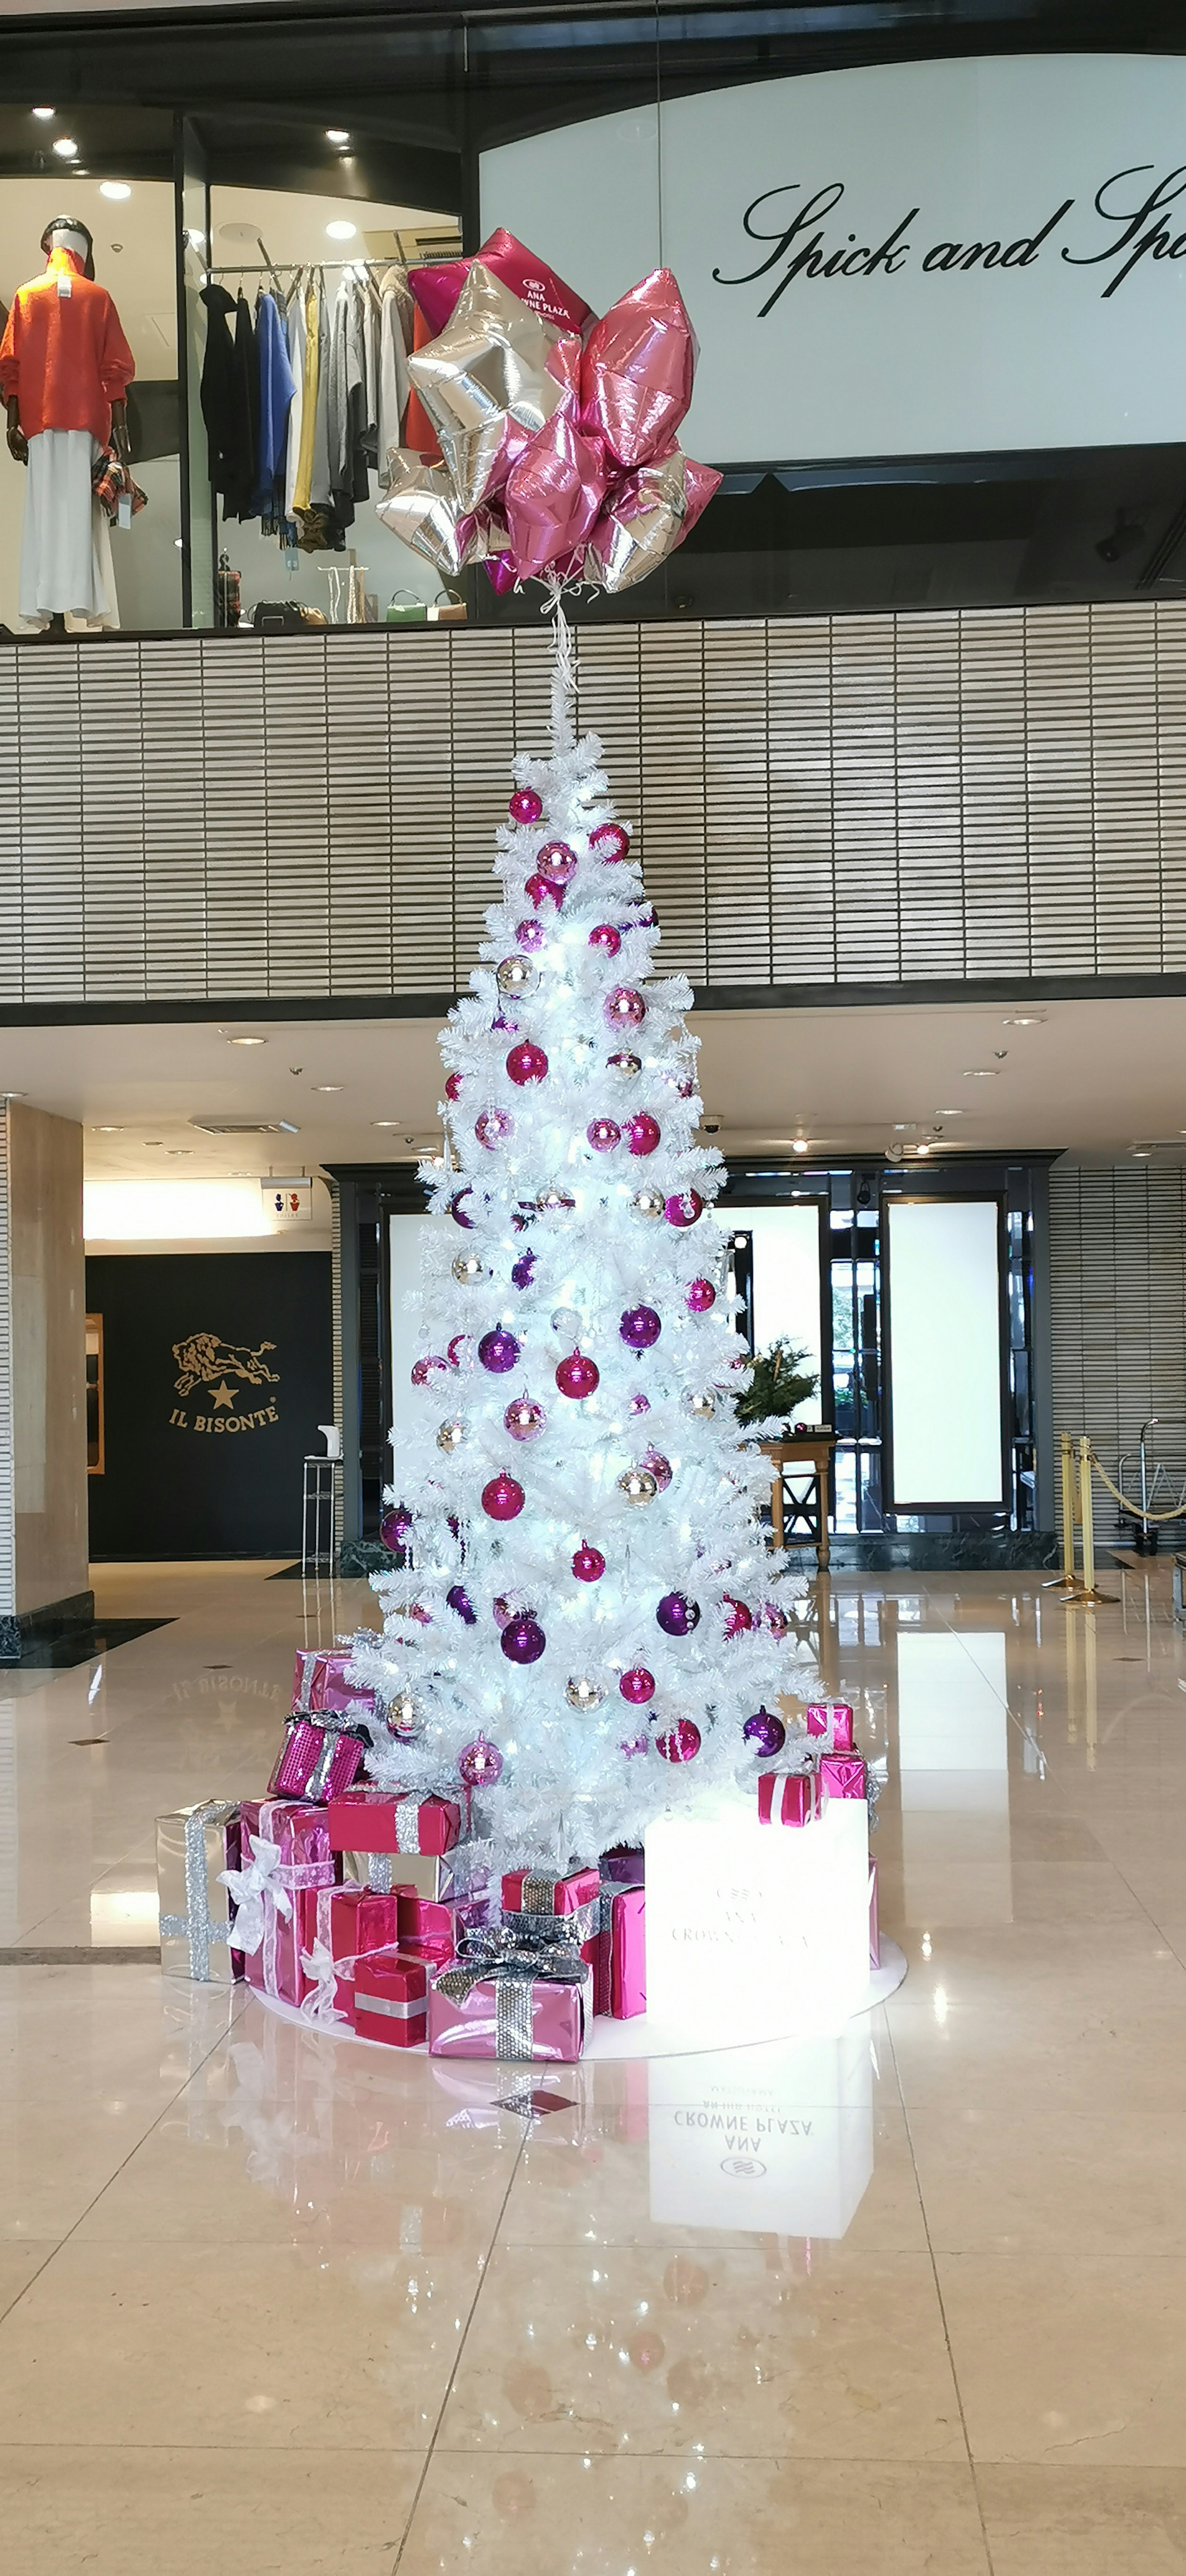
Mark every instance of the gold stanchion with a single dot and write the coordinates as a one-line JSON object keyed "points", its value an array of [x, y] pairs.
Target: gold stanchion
{"points": [[1067, 1582], [1088, 1592]]}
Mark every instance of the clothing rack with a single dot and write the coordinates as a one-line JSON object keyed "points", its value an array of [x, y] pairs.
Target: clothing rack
{"points": [[295, 267]]}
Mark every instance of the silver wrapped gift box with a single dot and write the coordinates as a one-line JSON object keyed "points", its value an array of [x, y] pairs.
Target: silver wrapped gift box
{"points": [[192, 1848]]}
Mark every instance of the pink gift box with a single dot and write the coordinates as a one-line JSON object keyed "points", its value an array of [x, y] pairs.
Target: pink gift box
{"points": [[434, 1930], [874, 1931], [391, 1998], [375, 1820], [841, 1775], [320, 1685], [347, 1921], [626, 1864], [524, 1895], [619, 1966], [834, 1723], [786, 1797], [306, 1861], [494, 2017], [316, 1760]]}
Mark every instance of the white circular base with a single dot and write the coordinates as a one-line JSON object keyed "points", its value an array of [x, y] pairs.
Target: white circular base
{"points": [[641, 2038]]}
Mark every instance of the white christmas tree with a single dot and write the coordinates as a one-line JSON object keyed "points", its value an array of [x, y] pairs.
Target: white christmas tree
{"points": [[589, 1632]]}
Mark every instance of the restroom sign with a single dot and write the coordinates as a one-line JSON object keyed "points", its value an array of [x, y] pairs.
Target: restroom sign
{"points": [[287, 1202]]}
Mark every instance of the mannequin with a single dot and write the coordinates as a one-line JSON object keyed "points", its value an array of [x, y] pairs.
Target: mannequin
{"points": [[65, 368]]}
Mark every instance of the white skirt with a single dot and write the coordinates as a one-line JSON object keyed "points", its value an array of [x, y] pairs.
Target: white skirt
{"points": [[66, 541]]}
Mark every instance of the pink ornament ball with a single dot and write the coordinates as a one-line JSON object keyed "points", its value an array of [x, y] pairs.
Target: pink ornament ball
{"points": [[495, 1127], [701, 1295], [527, 1063], [659, 1466], [685, 1088], [681, 1743], [525, 806], [481, 1764], [606, 938], [739, 1619], [422, 1369], [460, 1350], [457, 1209], [603, 1134], [684, 1208], [521, 1274], [676, 1615], [635, 1744], [578, 1376], [498, 1351], [395, 1526], [459, 1600], [543, 891], [524, 1418], [452, 1086], [642, 1133], [503, 1498], [530, 935], [611, 841], [523, 1640], [588, 1564], [624, 1008], [637, 1686], [557, 861], [775, 1618], [502, 1610], [640, 1403], [640, 1327], [764, 1734]]}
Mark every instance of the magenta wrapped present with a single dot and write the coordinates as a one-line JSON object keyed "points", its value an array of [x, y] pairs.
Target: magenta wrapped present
{"points": [[285, 1850], [833, 1722], [620, 1965], [522, 1996], [874, 1930], [391, 1999], [841, 1775], [320, 1687], [626, 1864], [319, 1757], [435, 1928], [575, 1899], [338, 1926], [786, 1797], [383, 1820]]}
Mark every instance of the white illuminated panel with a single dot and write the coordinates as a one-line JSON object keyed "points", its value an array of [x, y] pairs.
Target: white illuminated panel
{"points": [[405, 1324], [945, 1352], [756, 1928], [786, 1281]]}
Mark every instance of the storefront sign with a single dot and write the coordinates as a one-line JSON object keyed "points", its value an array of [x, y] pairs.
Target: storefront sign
{"points": [[907, 259], [217, 1372]]}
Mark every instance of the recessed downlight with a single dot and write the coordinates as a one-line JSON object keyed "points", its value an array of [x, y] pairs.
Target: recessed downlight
{"points": [[247, 1041], [65, 147], [980, 1073], [116, 189], [43, 112], [1025, 1020], [387, 1122], [336, 134], [341, 230], [329, 1086], [799, 1145]]}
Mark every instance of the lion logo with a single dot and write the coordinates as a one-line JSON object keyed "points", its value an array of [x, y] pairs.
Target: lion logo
{"points": [[203, 1361]]}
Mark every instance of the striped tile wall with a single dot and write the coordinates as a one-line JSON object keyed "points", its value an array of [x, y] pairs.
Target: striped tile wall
{"points": [[1118, 1295]]}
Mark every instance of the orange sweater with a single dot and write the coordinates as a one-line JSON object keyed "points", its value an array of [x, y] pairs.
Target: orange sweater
{"points": [[65, 356]]}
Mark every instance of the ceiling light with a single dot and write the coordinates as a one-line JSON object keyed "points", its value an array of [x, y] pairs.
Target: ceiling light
{"points": [[65, 147], [107, 1131], [328, 1086], [922, 1149], [336, 134], [1141, 1153], [45, 111], [174, 1150], [980, 1073], [341, 230], [1025, 1020], [951, 1113], [387, 1122], [247, 1041], [799, 1145], [116, 188]]}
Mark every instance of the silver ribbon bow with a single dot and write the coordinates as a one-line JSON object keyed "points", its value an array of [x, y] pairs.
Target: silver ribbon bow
{"points": [[248, 1888], [320, 1964]]}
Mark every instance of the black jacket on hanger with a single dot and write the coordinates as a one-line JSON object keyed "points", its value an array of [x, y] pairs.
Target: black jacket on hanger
{"points": [[218, 386], [245, 415]]}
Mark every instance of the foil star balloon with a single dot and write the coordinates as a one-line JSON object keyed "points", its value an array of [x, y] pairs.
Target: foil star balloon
{"points": [[646, 518], [437, 289], [490, 381], [636, 373], [553, 495], [421, 506]]}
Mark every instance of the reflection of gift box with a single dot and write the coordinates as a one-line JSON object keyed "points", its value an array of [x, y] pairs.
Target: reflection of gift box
{"points": [[342, 1923], [576, 1898], [320, 1685], [285, 1851], [433, 1929], [786, 1797], [391, 1998], [841, 1775], [523, 2008], [428, 1874], [625, 1864], [874, 1931], [619, 1967], [318, 1758], [375, 1820], [833, 1723], [192, 1847]]}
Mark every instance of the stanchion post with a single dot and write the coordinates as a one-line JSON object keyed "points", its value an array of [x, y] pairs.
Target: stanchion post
{"points": [[1067, 1582], [1089, 1592]]}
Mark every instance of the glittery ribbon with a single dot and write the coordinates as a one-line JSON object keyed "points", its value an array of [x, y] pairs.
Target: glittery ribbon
{"points": [[514, 1962], [407, 1824], [196, 1925], [573, 1928], [334, 1728]]}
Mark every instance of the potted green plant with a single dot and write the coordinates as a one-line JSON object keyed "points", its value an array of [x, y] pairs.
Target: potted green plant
{"points": [[776, 1386]]}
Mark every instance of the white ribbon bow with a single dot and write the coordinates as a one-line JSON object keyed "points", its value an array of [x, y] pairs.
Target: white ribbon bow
{"points": [[248, 1888], [320, 1964]]}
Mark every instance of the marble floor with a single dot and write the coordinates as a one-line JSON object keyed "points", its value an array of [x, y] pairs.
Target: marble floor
{"points": [[910, 2300]]}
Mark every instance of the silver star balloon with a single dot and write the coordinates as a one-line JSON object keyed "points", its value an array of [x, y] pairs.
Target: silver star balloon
{"points": [[421, 506], [646, 518], [490, 380]]}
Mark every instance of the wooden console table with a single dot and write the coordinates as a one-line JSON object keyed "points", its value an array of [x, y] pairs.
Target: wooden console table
{"points": [[810, 1450]]}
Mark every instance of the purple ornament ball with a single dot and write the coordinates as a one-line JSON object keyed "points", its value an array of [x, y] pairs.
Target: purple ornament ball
{"points": [[521, 1274], [530, 935], [640, 1327], [676, 1615], [764, 1734], [498, 1351], [523, 1640], [395, 1526], [459, 1600]]}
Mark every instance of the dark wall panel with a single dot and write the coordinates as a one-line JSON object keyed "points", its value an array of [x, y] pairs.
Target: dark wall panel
{"points": [[217, 1369]]}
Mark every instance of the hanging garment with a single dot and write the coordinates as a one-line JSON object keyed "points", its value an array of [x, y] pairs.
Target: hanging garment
{"points": [[395, 384], [296, 409], [218, 385], [274, 376], [64, 354], [312, 318], [241, 486], [319, 482], [66, 543], [345, 399], [418, 429], [368, 308]]}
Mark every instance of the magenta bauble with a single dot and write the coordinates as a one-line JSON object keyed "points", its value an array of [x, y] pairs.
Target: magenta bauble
{"points": [[452, 1086], [524, 1419], [498, 1351], [527, 1063], [606, 938], [610, 840], [525, 806], [558, 861], [425, 1368], [503, 1498], [588, 1564], [640, 1327], [460, 1350], [459, 1600], [685, 1087], [457, 1209], [544, 893], [530, 935], [701, 1295], [764, 1734], [684, 1208], [395, 1525], [603, 1134], [624, 1008], [642, 1133], [578, 1376], [738, 1619], [495, 1127], [480, 1765], [659, 1466], [681, 1743], [523, 1640], [775, 1618], [676, 1615], [521, 1274], [637, 1686]]}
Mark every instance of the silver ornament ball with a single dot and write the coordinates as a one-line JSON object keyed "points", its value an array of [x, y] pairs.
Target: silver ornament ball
{"points": [[582, 1693], [638, 1485]]}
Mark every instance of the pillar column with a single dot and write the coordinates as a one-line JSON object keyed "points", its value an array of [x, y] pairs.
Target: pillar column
{"points": [[43, 1455]]}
